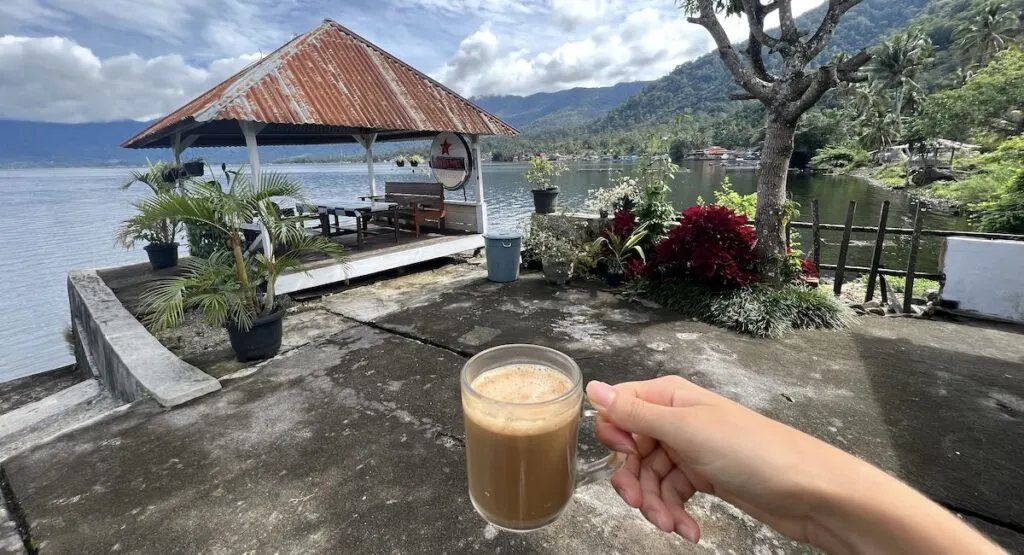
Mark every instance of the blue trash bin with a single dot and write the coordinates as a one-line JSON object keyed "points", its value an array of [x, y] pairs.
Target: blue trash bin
{"points": [[503, 253]]}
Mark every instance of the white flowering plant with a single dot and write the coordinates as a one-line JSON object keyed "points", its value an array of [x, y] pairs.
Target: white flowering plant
{"points": [[555, 237], [624, 195]]}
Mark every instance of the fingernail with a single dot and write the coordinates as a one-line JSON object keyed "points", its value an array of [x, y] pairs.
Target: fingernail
{"points": [[624, 447], [601, 394], [686, 533]]}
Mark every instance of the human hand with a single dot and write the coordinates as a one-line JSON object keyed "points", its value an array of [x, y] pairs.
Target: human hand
{"points": [[681, 439]]}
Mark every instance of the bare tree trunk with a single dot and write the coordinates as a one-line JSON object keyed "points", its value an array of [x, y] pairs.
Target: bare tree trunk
{"points": [[771, 197]]}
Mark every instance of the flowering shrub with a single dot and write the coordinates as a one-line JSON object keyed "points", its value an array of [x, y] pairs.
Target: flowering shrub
{"points": [[635, 268], [622, 225], [809, 268], [624, 195], [711, 244]]}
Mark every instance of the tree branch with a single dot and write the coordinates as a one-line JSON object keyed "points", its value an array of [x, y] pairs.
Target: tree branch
{"points": [[826, 78], [821, 37], [849, 70], [743, 76], [755, 19], [742, 96], [786, 22]]}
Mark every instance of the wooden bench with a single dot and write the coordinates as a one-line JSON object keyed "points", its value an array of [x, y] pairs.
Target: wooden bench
{"points": [[417, 202]]}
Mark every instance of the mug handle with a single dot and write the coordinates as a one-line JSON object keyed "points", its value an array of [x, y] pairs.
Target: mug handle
{"points": [[601, 469]]}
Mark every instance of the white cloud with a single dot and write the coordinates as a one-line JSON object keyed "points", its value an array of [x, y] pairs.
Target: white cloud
{"points": [[61, 81], [645, 44], [214, 28], [583, 43]]}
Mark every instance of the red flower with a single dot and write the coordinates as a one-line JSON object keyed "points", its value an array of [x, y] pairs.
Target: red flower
{"points": [[635, 268], [809, 267], [622, 224], [711, 243]]}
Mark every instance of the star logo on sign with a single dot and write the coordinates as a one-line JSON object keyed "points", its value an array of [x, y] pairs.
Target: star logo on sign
{"points": [[445, 146]]}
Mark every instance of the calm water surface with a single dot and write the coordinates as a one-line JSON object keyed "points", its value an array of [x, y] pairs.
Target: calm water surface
{"points": [[56, 220]]}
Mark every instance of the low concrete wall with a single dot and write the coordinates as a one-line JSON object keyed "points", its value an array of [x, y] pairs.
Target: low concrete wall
{"points": [[122, 354], [461, 216], [985, 277]]}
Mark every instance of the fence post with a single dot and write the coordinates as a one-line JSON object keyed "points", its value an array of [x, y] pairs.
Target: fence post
{"points": [[915, 243], [816, 233], [876, 258], [844, 247]]}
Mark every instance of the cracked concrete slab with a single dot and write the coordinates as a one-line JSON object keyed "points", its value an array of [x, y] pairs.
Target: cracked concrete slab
{"points": [[352, 442]]}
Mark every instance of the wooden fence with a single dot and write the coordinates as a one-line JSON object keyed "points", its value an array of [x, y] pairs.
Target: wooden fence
{"points": [[881, 231]]}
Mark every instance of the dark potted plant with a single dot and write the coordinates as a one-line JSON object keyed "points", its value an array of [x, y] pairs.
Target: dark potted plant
{"points": [[159, 233], [616, 250], [539, 174], [415, 160], [400, 162], [233, 287]]}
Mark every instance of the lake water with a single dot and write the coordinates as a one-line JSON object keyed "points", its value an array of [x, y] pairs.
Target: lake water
{"points": [[56, 220]]}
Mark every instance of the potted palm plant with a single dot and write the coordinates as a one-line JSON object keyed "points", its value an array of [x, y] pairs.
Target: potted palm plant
{"points": [[539, 174], [235, 287], [616, 250], [400, 162], [160, 234], [415, 160]]}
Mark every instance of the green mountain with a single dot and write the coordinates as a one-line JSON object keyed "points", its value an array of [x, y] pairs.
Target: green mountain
{"points": [[703, 85], [558, 110]]}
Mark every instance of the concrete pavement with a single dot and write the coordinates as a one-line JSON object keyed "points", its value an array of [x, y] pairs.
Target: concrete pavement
{"points": [[353, 442]]}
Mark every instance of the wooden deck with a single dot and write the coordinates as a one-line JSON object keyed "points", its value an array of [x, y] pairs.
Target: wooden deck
{"points": [[379, 254]]}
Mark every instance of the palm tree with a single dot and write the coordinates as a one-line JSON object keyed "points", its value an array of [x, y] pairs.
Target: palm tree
{"points": [[233, 285], [896, 64], [878, 130], [143, 226], [988, 33]]}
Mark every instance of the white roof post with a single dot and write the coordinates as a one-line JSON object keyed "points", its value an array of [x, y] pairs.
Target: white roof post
{"points": [[481, 210], [249, 131], [367, 142]]}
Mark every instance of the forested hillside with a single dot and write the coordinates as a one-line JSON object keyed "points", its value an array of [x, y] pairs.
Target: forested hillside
{"points": [[703, 85], [558, 110]]}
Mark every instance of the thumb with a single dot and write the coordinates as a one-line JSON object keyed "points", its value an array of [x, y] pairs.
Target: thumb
{"points": [[623, 407]]}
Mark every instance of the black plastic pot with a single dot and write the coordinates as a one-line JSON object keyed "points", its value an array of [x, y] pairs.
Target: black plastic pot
{"points": [[162, 255], [614, 280], [194, 169], [262, 340], [545, 200]]}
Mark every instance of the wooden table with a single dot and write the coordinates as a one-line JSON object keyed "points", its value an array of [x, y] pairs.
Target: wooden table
{"points": [[362, 211]]}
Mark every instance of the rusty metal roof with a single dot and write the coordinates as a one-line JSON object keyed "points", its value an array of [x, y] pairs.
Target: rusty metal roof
{"points": [[323, 87]]}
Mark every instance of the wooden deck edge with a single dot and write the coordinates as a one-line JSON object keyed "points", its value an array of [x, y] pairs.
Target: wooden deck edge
{"points": [[378, 261]]}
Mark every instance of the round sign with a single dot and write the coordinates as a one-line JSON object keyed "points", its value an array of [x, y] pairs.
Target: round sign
{"points": [[451, 160]]}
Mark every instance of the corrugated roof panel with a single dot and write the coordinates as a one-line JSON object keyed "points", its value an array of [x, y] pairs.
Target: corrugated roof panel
{"points": [[332, 76]]}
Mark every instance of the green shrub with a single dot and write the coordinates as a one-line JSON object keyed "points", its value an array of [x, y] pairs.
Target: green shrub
{"points": [[890, 175], [745, 205], [757, 311], [1005, 213], [204, 239], [840, 158], [921, 285]]}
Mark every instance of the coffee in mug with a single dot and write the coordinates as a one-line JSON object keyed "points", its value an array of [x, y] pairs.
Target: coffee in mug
{"points": [[522, 406]]}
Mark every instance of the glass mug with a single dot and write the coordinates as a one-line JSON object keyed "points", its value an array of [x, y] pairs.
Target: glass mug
{"points": [[522, 406]]}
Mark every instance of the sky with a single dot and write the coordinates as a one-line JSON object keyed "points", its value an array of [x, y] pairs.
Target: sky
{"points": [[76, 61]]}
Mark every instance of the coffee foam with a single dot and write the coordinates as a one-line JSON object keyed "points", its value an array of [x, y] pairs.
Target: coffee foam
{"points": [[521, 384]]}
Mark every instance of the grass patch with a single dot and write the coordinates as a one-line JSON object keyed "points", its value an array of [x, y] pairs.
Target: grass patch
{"points": [[891, 176], [921, 285], [757, 311]]}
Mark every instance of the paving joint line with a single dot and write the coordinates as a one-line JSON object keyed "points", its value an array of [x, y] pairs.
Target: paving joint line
{"points": [[16, 513]]}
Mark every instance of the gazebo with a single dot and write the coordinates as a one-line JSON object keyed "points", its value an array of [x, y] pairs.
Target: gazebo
{"points": [[330, 86]]}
